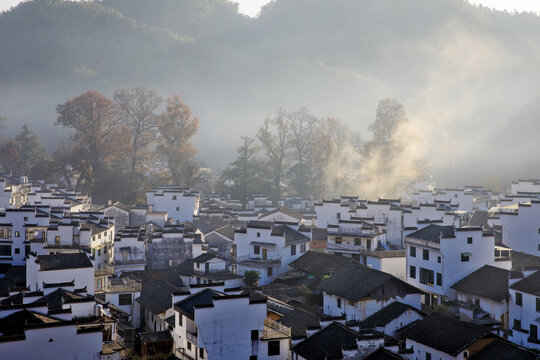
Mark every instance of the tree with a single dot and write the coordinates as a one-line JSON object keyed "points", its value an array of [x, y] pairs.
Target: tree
{"points": [[137, 107], [95, 120], [251, 278], [176, 126], [275, 138], [10, 156], [33, 159], [390, 113], [245, 171]]}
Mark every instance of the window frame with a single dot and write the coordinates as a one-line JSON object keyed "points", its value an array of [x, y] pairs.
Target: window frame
{"points": [[123, 302], [274, 348]]}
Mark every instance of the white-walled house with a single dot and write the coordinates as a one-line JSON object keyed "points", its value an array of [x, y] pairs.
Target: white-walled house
{"points": [[180, 204], [521, 229], [391, 318], [524, 310], [354, 237], [46, 271], [439, 256], [525, 186], [213, 325], [359, 292], [268, 248], [129, 250]]}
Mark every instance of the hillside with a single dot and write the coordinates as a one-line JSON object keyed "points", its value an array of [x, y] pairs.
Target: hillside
{"points": [[453, 65]]}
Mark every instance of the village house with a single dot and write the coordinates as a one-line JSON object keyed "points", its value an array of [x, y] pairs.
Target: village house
{"points": [[179, 203], [521, 228], [268, 247], [524, 309], [129, 250]]}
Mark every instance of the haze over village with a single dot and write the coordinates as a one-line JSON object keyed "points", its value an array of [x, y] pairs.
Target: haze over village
{"points": [[281, 180]]}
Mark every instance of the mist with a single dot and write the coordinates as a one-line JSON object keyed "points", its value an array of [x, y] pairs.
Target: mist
{"points": [[458, 70]]}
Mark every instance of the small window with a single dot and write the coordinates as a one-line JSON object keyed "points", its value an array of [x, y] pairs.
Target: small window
{"points": [[174, 197], [469, 240], [302, 248], [201, 353], [26, 218], [256, 249], [177, 208], [253, 357], [517, 324], [368, 244], [425, 254], [258, 234], [533, 331], [357, 241], [270, 271], [273, 348], [17, 251], [57, 240], [189, 346], [339, 303], [537, 304], [439, 259], [99, 252], [439, 279], [464, 257], [293, 249], [412, 272], [412, 251], [180, 320], [124, 299], [519, 298], [99, 285], [338, 242], [428, 356], [254, 335], [17, 234]]}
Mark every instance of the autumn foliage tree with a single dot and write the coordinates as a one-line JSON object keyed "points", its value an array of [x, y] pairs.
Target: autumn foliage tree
{"points": [[94, 119], [176, 126]]}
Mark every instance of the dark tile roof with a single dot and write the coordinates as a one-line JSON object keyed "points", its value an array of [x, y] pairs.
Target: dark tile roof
{"points": [[205, 297], [382, 354], [445, 334], [63, 261], [357, 282], [284, 210], [14, 325], [320, 263], [290, 235], [521, 261], [385, 315], [185, 268], [157, 289], [156, 336], [227, 231], [489, 282], [299, 321], [503, 350], [433, 233], [529, 285], [330, 342], [479, 218], [204, 258]]}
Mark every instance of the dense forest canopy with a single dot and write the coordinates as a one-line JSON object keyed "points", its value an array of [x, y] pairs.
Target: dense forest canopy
{"points": [[462, 72]]}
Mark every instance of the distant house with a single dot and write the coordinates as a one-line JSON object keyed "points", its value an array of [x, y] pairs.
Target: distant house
{"points": [[129, 250], [390, 318], [221, 240], [282, 214], [180, 204], [359, 292], [524, 306], [119, 212]]}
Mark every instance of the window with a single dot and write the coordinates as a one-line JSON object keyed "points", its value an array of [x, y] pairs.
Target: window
{"points": [[5, 233], [253, 357], [17, 251], [178, 209], [270, 271], [174, 197], [254, 335], [201, 353], [339, 216], [412, 251], [256, 250], [189, 346], [465, 257], [368, 244], [99, 284], [339, 303], [293, 249], [412, 272], [5, 250], [273, 348], [26, 218], [519, 298], [428, 356], [537, 304], [517, 324], [425, 254], [439, 259], [357, 241], [469, 240], [258, 234], [302, 248], [533, 331], [99, 252], [426, 277], [17, 234], [57, 240], [439, 279], [124, 299], [338, 242]]}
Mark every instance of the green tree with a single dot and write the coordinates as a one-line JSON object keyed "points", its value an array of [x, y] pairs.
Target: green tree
{"points": [[245, 172], [33, 158], [251, 278]]}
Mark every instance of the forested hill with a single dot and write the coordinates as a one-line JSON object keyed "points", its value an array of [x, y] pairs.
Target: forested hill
{"points": [[453, 65]]}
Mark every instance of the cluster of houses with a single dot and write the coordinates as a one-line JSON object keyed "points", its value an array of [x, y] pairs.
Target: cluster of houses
{"points": [[449, 274]]}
